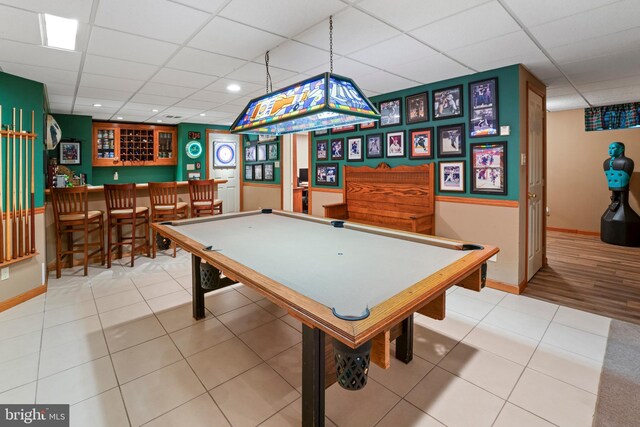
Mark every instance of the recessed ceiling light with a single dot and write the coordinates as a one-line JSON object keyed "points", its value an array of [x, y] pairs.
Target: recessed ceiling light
{"points": [[155, 110], [58, 32], [97, 105], [202, 114], [159, 121], [233, 87], [119, 118]]}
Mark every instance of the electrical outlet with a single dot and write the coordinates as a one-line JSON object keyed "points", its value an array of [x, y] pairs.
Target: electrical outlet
{"points": [[5, 273]]}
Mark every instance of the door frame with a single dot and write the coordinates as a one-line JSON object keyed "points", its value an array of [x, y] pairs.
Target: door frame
{"points": [[239, 165], [542, 94]]}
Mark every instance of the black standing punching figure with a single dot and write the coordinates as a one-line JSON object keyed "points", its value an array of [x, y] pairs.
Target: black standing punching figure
{"points": [[619, 224]]}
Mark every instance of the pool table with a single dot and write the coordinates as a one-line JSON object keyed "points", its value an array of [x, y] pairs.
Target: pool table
{"points": [[353, 287]]}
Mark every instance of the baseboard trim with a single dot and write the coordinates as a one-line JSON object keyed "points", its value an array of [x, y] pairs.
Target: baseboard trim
{"points": [[516, 290], [574, 231], [19, 299]]}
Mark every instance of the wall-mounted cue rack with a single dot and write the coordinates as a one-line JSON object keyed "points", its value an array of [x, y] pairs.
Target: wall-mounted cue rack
{"points": [[17, 190]]}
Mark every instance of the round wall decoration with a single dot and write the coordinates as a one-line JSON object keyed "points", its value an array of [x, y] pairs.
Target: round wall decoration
{"points": [[224, 154], [193, 149]]}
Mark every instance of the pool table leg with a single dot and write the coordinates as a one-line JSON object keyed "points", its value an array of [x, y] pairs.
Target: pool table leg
{"points": [[404, 343], [313, 359], [197, 293]]}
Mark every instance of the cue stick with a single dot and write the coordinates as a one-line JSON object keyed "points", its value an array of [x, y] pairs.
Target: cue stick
{"points": [[20, 213], [7, 206], [33, 203], [27, 248], [1, 198], [14, 220]]}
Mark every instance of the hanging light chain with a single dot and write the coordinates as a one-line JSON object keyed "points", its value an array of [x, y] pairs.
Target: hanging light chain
{"points": [[269, 84], [331, 44]]}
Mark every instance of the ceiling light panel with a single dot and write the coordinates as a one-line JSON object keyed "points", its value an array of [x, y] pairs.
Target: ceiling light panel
{"points": [[59, 32]]}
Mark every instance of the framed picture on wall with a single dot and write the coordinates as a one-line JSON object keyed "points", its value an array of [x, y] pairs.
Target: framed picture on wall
{"points": [[451, 141], [374, 146], [417, 108], [489, 168], [257, 172], [354, 149], [272, 151], [451, 176], [268, 172], [391, 112], [368, 125], [483, 99], [322, 153], [447, 103], [262, 152], [321, 132], [337, 149], [343, 129], [421, 143], [327, 174], [248, 172], [70, 153], [250, 153], [395, 144]]}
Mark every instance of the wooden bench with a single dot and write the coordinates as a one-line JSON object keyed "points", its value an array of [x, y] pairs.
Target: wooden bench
{"points": [[401, 198]]}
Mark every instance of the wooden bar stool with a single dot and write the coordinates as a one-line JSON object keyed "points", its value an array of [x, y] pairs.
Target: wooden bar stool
{"points": [[165, 206], [122, 210], [72, 215], [202, 198]]}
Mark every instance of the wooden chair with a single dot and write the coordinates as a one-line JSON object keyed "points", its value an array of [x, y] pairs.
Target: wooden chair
{"points": [[165, 206], [202, 198], [122, 210], [72, 215]]}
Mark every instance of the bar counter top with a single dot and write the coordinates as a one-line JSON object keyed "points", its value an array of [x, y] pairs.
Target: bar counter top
{"points": [[142, 186]]}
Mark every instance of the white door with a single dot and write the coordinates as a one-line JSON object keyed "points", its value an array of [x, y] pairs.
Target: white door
{"points": [[229, 193], [535, 185]]}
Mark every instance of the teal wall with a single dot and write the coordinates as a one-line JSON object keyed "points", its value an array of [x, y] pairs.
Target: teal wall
{"points": [[28, 95], [128, 174], [183, 138], [508, 114], [79, 128], [248, 140]]}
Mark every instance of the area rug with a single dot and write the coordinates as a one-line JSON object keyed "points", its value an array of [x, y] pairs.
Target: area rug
{"points": [[619, 391]]}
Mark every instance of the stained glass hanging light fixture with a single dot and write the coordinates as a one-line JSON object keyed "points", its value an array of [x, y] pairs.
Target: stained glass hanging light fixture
{"points": [[324, 101]]}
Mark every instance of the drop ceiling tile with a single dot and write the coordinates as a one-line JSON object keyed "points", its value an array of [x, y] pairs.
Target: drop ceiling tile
{"points": [[545, 70], [253, 72], [129, 47], [471, 26], [295, 56], [566, 102], [19, 25], [204, 62], [61, 99], [234, 39], [595, 23], [59, 108], [181, 111], [157, 100], [538, 12], [383, 82], [91, 111], [288, 82], [41, 74], [613, 96], [216, 115], [430, 69], [117, 68], [98, 116], [220, 85], [210, 6], [410, 14], [182, 78], [196, 104], [627, 64], [283, 17], [60, 89], [244, 100], [398, 50], [103, 94], [107, 104], [345, 40], [73, 9], [512, 45], [157, 19], [23, 53], [106, 82], [562, 90], [215, 97], [161, 89], [231, 110], [131, 117], [598, 46], [139, 108], [610, 84]]}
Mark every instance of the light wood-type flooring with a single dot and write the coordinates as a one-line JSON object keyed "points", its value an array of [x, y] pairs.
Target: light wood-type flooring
{"points": [[587, 274]]}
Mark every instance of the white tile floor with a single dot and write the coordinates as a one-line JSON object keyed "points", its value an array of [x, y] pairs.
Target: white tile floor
{"points": [[122, 348]]}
